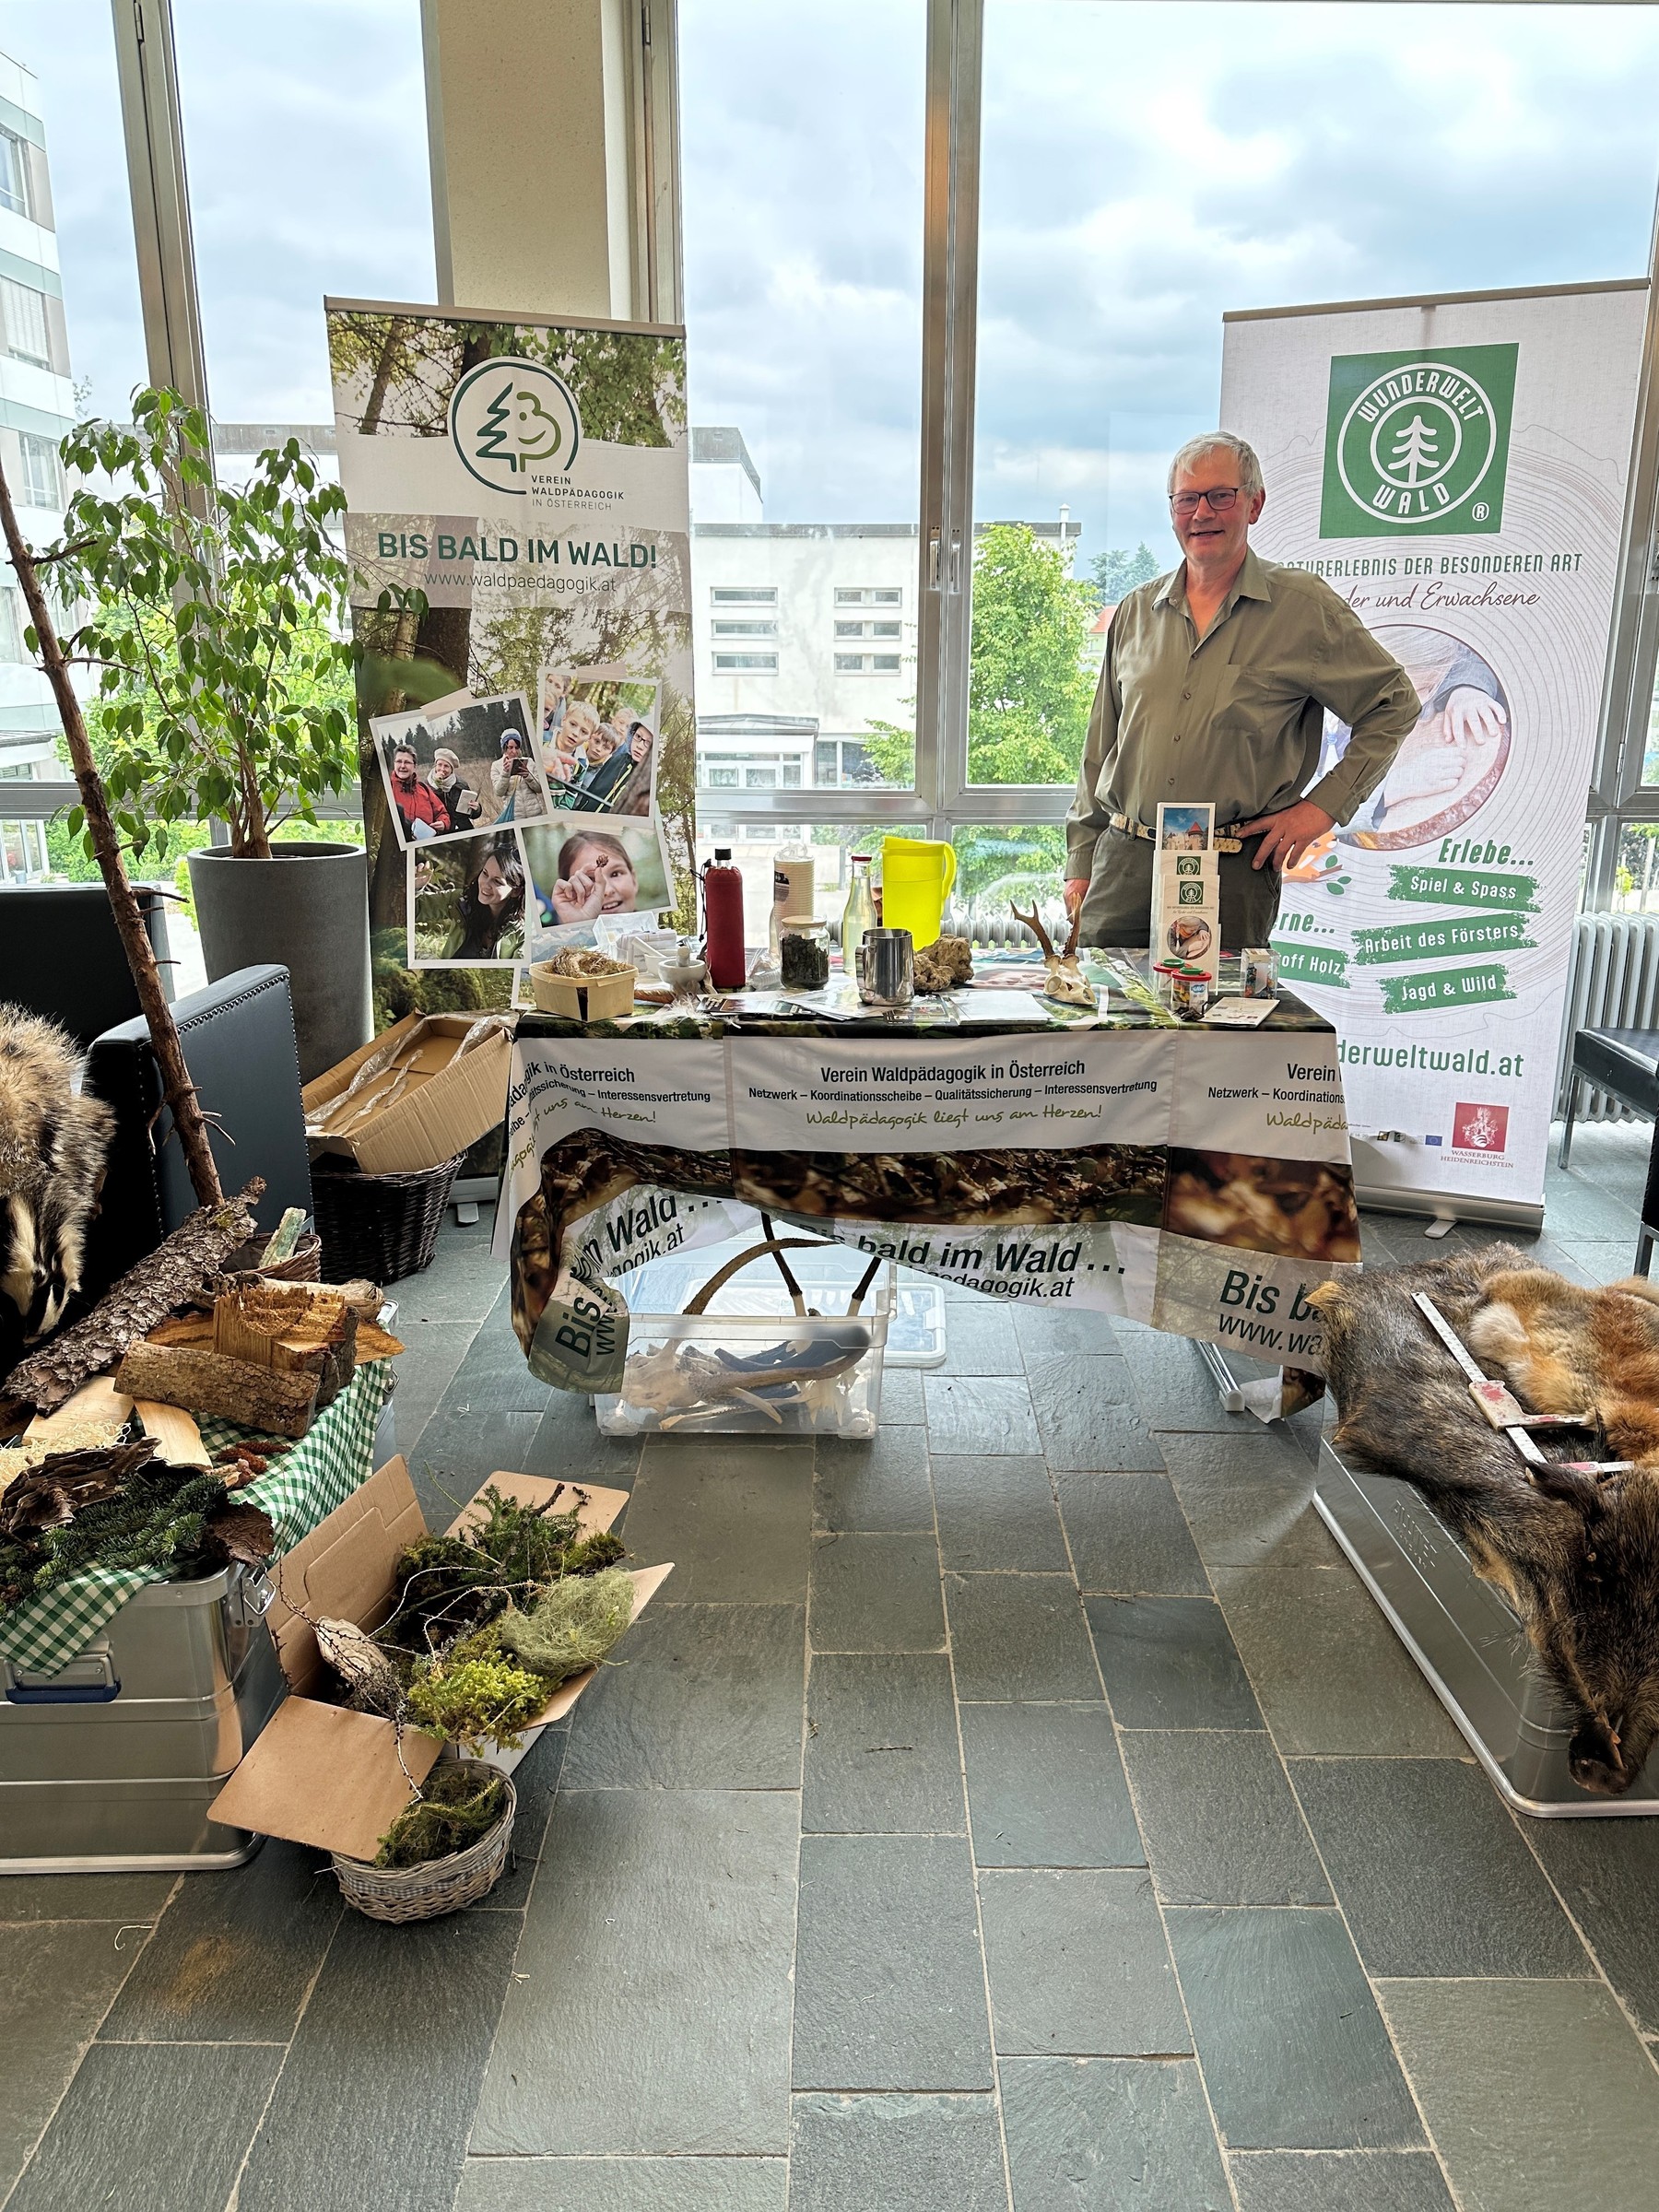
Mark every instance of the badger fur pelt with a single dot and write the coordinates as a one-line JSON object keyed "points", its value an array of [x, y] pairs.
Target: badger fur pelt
{"points": [[53, 1144], [1577, 1555]]}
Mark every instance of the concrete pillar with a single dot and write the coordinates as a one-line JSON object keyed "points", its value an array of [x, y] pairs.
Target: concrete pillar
{"points": [[530, 109]]}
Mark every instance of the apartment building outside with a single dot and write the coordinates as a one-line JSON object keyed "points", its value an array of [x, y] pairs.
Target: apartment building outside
{"points": [[36, 409], [805, 636]]}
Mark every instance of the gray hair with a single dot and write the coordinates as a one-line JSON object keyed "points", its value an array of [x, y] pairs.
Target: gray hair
{"points": [[1223, 441]]}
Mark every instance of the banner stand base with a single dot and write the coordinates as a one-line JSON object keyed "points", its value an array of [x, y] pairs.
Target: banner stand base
{"points": [[1467, 1644], [1501, 1213]]}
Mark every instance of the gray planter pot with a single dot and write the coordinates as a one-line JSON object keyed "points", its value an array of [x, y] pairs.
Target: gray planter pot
{"points": [[307, 908]]}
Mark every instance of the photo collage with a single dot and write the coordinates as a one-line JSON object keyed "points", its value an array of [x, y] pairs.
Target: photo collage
{"points": [[522, 834]]}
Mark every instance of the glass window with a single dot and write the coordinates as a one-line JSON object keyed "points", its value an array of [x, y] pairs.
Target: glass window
{"points": [[745, 630], [1143, 169], [14, 173], [306, 139], [42, 472], [70, 164], [11, 626], [23, 313], [804, 311], [745, 664]]}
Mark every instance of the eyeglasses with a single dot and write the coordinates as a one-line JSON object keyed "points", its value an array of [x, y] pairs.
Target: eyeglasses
{"points": [[1186, 503]]}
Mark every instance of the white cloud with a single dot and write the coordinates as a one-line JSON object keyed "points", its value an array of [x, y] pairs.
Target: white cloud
{"points": [[1145, 168], [305, 138]]}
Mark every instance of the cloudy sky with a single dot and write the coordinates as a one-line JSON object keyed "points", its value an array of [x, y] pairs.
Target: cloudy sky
{"points": [[1146, 167]]}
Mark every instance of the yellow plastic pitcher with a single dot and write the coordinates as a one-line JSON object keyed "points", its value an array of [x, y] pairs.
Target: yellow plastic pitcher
{"points": [[916, 877]]}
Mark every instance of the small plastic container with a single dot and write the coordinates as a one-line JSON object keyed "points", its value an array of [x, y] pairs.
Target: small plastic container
{"points": [[755, 1374], [1258, 972]]}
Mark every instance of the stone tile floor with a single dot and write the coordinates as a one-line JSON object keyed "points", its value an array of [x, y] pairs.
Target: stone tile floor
{"points": [[1030, 1809]]}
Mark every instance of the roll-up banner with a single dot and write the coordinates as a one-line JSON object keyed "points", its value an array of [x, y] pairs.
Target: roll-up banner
{"points": [[518, 522], [1456, 469]]}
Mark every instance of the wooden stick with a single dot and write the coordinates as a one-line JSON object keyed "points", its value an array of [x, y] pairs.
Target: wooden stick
{"points": [[177, 1088]]}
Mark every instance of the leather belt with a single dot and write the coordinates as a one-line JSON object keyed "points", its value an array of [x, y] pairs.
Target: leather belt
{"points": [[1221, 843]]}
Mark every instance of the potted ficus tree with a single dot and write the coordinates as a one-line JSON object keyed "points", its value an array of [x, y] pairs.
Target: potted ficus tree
{"points": [[216, 628]]}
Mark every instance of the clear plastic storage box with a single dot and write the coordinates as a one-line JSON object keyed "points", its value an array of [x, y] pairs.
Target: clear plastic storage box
{"points": [[743, 1360]]}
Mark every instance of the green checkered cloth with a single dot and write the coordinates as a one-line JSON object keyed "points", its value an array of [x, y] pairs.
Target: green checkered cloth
{"points": [[333, 1458]]}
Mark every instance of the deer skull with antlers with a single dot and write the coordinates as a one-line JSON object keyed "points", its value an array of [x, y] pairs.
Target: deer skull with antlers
{"points": [[1065, 979]]}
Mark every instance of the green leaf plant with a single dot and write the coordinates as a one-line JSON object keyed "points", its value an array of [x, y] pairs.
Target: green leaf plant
{"points": [[224, 682]]}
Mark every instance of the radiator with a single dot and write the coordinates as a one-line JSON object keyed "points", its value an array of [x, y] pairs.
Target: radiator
{"points": [[1612, 983]]}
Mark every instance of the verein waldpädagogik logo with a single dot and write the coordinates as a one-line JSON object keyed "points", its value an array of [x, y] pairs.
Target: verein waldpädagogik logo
{"points": [[1417, 444], [508, 418]]}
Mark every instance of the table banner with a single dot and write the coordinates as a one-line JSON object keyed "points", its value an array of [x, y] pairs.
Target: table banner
{"points": [[1193, 1180]]}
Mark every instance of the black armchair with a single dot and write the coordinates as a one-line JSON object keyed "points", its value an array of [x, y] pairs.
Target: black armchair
{"points": [[60, 955], [238, 1036], [1622, 1061]]}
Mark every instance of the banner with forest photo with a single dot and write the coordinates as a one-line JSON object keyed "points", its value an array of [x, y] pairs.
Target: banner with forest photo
{"points": [[518, 524]]}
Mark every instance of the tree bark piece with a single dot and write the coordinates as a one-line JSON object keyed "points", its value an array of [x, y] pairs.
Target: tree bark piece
{"points": [[177, 1088], [54, 1491], [228, 1390], [144, 1295]]}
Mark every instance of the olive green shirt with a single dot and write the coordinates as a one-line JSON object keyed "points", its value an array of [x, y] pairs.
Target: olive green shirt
{"points": [[1236, 716]]}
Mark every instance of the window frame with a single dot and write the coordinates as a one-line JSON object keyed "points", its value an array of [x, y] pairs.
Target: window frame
{"points": [[943, 798]]}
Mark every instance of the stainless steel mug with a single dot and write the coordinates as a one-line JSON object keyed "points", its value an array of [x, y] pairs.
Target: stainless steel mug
{"points": [[886, 968]]}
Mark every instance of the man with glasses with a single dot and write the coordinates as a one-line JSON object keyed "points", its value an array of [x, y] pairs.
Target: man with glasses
{"points": [[1215, 687]]}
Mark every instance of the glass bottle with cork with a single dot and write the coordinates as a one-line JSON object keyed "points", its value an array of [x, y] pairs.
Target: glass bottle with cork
{"points": [[859, 913]]}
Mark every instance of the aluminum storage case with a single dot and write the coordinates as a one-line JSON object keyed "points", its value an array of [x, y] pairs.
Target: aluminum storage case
{"points": [[109, 1764]]}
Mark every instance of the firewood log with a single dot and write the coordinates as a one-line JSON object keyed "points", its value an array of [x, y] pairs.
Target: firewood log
{"points": [[231, 1390]]}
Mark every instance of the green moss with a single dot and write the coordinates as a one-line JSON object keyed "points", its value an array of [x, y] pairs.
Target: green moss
{"points": [[472, 1702], [570, 1628], [455, 1808]]}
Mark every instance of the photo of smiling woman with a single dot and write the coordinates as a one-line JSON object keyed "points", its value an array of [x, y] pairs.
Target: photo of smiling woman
{"points": [[466, 903], [579, 875]]}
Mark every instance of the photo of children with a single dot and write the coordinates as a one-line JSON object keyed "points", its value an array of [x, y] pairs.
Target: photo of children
{"points": [[577, 872], [459, 766], [1185, 829], [599, 742], [466, 902]]}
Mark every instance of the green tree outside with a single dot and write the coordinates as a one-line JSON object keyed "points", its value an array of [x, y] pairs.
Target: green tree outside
{"points": [[1115, 573], [1029, 693]]}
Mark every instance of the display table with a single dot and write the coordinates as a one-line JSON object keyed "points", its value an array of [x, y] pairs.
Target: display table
{"points": [[1196, 1179]]}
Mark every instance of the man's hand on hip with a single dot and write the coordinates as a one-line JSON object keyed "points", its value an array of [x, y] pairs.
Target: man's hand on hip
{"points": [[1077, 890], [1285, 836]]}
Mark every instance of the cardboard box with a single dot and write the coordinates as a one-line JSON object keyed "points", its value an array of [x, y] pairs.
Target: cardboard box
{"points": [[319, 1774], [422, 1107]]}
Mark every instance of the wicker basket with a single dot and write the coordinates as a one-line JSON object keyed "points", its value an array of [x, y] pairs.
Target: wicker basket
{"points": [[406, 1893], [380, 1227], [302, 1265]]}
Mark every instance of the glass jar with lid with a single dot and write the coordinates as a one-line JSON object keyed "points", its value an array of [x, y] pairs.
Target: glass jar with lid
{"points": [[803, 952]]}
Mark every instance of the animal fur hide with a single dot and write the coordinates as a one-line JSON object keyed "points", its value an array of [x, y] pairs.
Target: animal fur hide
{"points": [[54, 1145], [147, 1293], [1577, 1556]]}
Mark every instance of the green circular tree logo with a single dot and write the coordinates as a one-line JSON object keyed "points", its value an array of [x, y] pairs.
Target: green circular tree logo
{"points": [[1417, 444], [508, 417]]}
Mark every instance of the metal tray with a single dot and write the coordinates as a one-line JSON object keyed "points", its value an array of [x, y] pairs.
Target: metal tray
{"points": [[1469, 1645]]}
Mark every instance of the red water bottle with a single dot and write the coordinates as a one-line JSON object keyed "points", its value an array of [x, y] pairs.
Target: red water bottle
{"points": [[723, 922]]}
